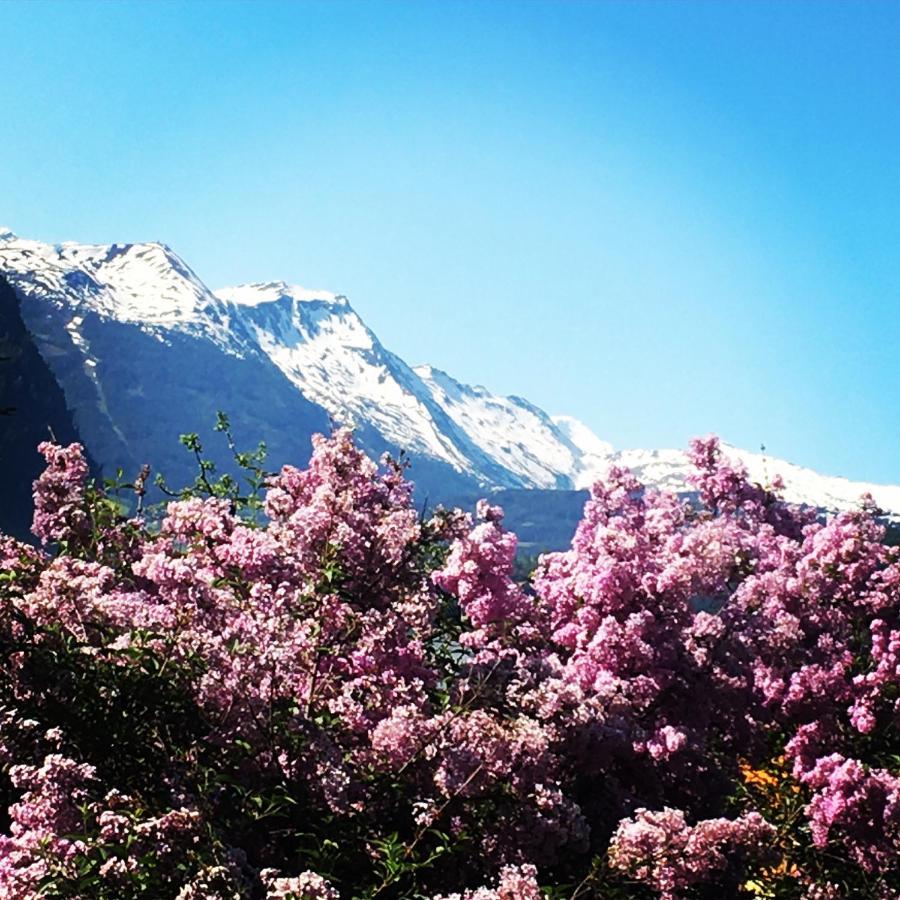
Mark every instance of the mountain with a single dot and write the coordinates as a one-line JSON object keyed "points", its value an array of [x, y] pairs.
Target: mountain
{"points": [[143, 351]]}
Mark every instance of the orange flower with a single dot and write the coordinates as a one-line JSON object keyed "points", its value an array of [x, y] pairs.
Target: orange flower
{"points": [[758, 777]]}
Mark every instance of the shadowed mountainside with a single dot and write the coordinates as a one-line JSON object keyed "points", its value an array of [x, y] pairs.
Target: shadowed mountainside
{"points": [[35, 409]]}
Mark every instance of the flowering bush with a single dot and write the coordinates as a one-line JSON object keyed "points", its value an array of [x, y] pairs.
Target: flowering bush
{"points": [[698, 699]]}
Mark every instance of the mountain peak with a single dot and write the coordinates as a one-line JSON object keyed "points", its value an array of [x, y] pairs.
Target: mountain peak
{"points": [[582, 436], [6, 234], [145, 283]]}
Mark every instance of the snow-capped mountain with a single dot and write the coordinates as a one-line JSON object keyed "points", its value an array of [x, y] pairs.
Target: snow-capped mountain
{"points": [[143, 351], [76, 297]]}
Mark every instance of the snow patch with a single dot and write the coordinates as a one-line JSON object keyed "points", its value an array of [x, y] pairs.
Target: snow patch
{"points": [[272, 291]]}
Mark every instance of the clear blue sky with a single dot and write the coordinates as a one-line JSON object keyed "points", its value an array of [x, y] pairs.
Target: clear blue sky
{"points": [[663, 218]]}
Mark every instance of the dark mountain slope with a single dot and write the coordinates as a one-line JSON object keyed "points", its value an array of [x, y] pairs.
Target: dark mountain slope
{"points": [[34, 407]]}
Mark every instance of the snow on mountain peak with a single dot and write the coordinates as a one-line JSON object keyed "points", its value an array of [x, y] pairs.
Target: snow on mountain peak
{"points": [[6, 234], [272, 291], [144, 283], [582, 436]]}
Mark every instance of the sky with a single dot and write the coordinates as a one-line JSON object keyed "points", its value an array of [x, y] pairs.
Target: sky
{"points": [[664, 218]]}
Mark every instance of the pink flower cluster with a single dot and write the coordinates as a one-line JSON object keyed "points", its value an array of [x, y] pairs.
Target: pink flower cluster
{"points": [[662, 850], [42, 821], [305, 886], [60, 512], [861, 803], [513, 883]]}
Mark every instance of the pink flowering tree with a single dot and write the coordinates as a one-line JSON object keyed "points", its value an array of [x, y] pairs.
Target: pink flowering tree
{"points": [[311, 691]]}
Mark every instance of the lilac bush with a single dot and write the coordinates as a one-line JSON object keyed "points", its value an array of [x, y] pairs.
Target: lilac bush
{"points": [[699, 698]]}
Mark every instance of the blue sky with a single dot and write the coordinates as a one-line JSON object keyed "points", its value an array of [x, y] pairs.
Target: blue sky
{"points": [[664, 218]]}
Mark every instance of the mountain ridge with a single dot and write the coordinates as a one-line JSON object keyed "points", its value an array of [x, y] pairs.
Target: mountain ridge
{"points": [[113, 320]]}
